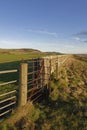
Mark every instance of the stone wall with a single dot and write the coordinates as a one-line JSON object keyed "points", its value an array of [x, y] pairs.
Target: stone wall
{"points": [[53, 64]]}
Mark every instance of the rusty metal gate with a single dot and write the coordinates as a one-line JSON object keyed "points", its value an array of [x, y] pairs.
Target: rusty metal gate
{"points": [[35, 79]]}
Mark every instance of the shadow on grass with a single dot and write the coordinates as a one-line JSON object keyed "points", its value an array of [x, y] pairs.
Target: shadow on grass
{"points": [[9, 66]]}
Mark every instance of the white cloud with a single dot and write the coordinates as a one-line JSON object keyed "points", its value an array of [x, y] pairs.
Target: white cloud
{"points": [[43, 32], [80, 39], [77, 38]]}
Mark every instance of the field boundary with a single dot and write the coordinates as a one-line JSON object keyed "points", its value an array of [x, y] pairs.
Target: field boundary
{"points": [[34, 77]]}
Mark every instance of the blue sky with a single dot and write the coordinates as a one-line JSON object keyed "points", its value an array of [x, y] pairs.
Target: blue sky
{"points": [[47, 25]]}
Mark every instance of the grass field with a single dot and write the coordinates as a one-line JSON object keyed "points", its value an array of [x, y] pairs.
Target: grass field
{"points": [[10, 55], [18, 57]]}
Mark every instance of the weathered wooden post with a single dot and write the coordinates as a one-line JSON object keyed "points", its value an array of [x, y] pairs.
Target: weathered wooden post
{"points": [[41, 68], [50, 66], [50, 72], [57, 74], [46, 68], [23, 84]]}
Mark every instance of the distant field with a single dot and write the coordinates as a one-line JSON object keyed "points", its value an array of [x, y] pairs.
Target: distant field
{"points": [[82, 57], [17, 57], [10, 55], [10, 59]]}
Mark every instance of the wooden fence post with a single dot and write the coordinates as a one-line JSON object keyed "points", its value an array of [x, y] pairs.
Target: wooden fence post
{"points": [[23, 84], [45, 71], [57, 69]]}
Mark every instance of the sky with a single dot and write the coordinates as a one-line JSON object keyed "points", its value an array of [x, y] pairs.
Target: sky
{"points": [[47, 25]]}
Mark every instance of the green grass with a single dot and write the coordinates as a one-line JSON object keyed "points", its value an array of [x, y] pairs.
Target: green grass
{"points": [[18, 57]]}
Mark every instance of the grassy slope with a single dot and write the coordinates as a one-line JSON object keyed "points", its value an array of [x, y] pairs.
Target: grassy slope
{"points": [[10, 55], [17, 55]]}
